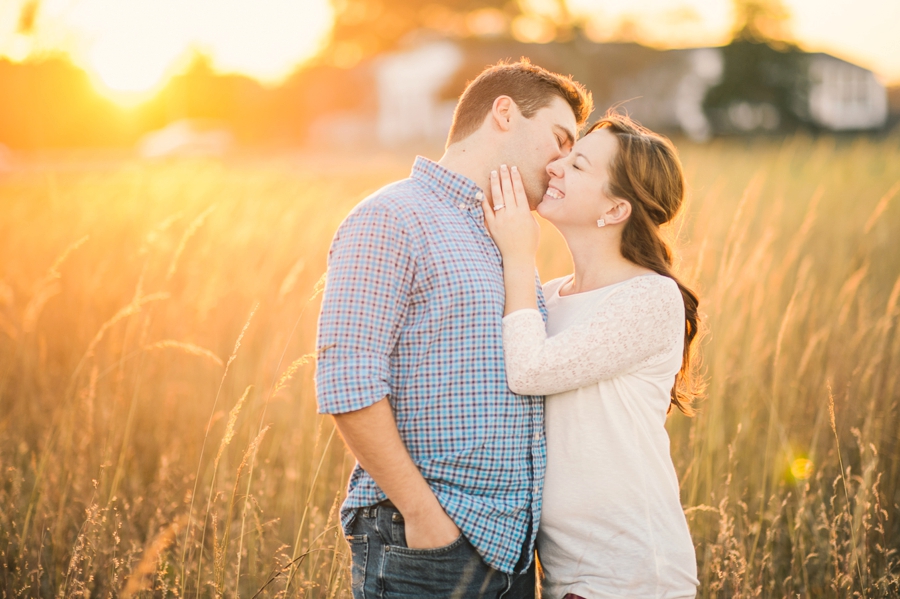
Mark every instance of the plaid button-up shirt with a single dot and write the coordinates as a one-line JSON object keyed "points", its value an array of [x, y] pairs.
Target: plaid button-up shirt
{"points": [[412, 310]]}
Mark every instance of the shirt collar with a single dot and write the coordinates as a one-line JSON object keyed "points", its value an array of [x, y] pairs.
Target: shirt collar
{"points": [[448, 185]]}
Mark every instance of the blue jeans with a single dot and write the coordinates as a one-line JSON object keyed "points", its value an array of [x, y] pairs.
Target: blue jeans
{"points": [[385, 568]]}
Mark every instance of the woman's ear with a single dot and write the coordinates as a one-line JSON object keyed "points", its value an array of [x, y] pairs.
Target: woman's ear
{"points": [[619, 213], [501, 111]]}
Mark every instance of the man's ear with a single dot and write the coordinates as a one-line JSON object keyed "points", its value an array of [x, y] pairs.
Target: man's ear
{"points": [[619, 212], [501, 111]]}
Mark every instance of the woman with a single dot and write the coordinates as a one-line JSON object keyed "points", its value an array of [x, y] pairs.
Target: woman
{"points": [[613, 359]]}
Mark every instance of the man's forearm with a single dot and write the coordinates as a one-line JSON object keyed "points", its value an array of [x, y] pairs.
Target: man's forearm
{"points": [[371, 435]]}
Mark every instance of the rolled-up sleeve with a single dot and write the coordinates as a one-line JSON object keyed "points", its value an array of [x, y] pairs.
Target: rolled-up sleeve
{"points": [[367, 294]]}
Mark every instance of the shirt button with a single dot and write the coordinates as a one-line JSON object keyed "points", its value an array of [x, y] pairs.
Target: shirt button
{"points": [[537, 436], [462, 206], [479, 196]]}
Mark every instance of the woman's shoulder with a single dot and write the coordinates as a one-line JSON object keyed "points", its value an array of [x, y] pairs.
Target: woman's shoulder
{"points": [[652, 283], [658, 291]]}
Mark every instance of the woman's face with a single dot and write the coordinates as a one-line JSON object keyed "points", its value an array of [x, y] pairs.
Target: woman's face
{"points": [[578, 192]]}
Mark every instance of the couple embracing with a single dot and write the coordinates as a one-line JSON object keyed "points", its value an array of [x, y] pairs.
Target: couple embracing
{"points": [[491, 416]]}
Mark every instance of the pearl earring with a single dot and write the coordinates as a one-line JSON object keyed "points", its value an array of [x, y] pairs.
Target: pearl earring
{"points": [[601, 223]]}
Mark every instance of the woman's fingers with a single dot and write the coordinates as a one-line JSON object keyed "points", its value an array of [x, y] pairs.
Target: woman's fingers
{"points": [[509, 196], [507, 217], [519, 189], [496, 190]]}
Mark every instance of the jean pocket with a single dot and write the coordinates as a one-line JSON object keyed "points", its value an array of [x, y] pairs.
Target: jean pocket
{"points": [[455, 570], [359, 554]]}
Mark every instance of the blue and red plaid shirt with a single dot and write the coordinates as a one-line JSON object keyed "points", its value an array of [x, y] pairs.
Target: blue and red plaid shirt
{"points": [[412, 310]]}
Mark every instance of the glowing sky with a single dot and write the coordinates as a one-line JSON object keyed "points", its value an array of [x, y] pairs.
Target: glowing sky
{"points": [[131, 47], [866, 32]]}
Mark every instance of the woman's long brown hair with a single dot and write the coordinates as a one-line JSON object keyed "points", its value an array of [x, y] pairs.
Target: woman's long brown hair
{"points": [[646, 171]]}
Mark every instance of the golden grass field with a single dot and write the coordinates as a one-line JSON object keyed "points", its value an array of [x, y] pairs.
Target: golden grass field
{"points": [[158, 429]]}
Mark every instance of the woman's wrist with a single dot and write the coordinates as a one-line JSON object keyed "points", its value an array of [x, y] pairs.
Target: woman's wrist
{"points": [[518, 263], [519, 282], [518, 275]]}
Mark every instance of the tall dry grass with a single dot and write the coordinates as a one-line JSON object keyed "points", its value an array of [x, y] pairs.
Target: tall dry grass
{"points": [[158, 434]]}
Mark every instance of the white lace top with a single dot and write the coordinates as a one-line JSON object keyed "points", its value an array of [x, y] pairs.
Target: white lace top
{"points": [[612, 523]]}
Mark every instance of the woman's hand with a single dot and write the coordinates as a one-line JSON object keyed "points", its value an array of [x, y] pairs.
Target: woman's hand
{"points": [[516, 233], [509, 220]]}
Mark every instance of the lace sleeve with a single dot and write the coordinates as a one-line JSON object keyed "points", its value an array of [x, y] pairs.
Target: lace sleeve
{"points": [[635, 324]]}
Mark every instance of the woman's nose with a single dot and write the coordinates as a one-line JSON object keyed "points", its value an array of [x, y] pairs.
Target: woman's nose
{"points": [[554, 169]]}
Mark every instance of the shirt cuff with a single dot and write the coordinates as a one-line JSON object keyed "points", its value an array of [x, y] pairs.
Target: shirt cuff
{"points": [[350, 383]]}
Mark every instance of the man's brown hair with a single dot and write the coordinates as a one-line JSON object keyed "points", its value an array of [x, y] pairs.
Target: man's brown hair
{"points": [[530, 87]]}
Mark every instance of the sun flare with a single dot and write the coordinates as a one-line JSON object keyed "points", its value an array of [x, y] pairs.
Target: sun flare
{"points": [[132, 47]]}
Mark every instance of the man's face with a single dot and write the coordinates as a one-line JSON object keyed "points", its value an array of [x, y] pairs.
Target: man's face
{"points": [[547, 136]]}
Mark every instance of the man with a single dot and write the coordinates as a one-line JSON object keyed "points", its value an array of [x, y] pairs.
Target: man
{"points": [[445, 499]]}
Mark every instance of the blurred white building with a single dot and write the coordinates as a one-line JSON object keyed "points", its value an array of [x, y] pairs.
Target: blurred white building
{"points": [[409, 85], [664, 90], [843, 96]]}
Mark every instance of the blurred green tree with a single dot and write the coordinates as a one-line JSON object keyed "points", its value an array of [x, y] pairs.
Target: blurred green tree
{"points": [[765, 78]]}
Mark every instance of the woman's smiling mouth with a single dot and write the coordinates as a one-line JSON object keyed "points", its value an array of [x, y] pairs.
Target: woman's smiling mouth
{"points": [[554, 193]]}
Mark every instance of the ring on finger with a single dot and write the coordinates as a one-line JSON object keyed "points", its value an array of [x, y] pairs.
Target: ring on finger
{"points": [[499, 206]]}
